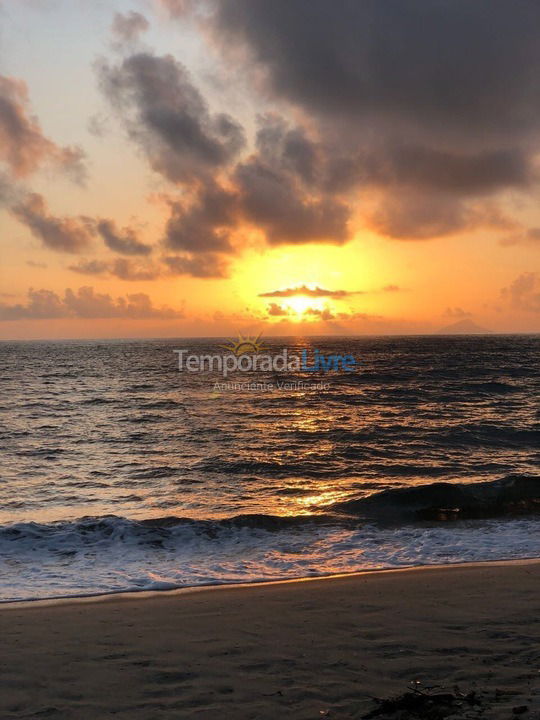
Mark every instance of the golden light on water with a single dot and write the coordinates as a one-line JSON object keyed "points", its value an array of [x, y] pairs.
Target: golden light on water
{"points": [[318, 499]]}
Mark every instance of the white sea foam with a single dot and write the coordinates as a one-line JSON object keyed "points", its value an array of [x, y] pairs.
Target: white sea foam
{"points": [[115, 555]]}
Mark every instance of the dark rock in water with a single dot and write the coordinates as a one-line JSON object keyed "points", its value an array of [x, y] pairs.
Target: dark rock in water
{"points": [[505, 498], [511, 496]]}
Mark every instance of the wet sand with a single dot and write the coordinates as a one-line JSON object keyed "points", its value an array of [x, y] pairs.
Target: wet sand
{"points": [[312, 649]]}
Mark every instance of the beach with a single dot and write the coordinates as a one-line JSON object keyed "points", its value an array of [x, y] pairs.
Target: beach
{"points": [[304, 649]]}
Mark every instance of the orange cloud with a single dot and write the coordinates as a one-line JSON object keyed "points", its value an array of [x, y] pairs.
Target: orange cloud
{"points": [[84, 303], [22, 144]]}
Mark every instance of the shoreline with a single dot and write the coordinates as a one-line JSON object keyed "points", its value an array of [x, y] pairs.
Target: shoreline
{"points": [[127, 595], [321, 647]]}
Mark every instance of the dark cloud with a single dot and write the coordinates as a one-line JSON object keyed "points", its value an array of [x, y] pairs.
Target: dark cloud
{"points": [[524, 292], [276, 310], [416, 216], [272, 201], [452, 172], [70, 234], [324, 314], [315, 292], [127, 27], [41, 305], [123, 241], [23, 147], [125, 269], [525, 237], [280, 188], [426, 102], [73, 234], [435, 67], [206, 265], [62, 234], [282, 147], [436, 183], [204, 225], [388, 163], [85, 303], [167, 116], [318, 292], [9, 192], [90, 267], [418, 114], [121, 268], [34, 264]]}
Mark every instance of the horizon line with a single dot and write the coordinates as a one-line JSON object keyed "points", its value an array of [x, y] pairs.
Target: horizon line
{"points": [[488, 333]]}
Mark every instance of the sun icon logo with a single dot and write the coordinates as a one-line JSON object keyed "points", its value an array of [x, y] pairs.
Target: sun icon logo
{"points": [[245, 345]]}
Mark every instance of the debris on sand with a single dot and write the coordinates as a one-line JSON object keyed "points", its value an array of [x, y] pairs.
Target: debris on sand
{"points": [[442, 705]]}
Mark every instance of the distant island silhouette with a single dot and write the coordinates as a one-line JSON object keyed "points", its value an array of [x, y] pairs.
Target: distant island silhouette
{"points": [[463, 327]]}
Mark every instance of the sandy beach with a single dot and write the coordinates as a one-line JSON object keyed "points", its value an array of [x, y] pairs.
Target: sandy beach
{"points": [[308, 649]]}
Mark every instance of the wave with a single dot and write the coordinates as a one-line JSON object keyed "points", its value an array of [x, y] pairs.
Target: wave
{"points": [[113, 554], [514, 495], [154, 531]]}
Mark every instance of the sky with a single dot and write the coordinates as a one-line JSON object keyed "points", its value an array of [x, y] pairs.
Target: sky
{"points": [[174, 168]]}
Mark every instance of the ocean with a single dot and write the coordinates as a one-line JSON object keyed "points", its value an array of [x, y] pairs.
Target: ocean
{"points": [[120, 473]]}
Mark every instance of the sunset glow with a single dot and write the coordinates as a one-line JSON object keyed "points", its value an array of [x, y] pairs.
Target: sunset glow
{"points": [[112, 215], [270, 351]]}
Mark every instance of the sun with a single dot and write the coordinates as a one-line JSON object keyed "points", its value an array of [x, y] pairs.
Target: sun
{"points": [[300, 303], [245, 345]]}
